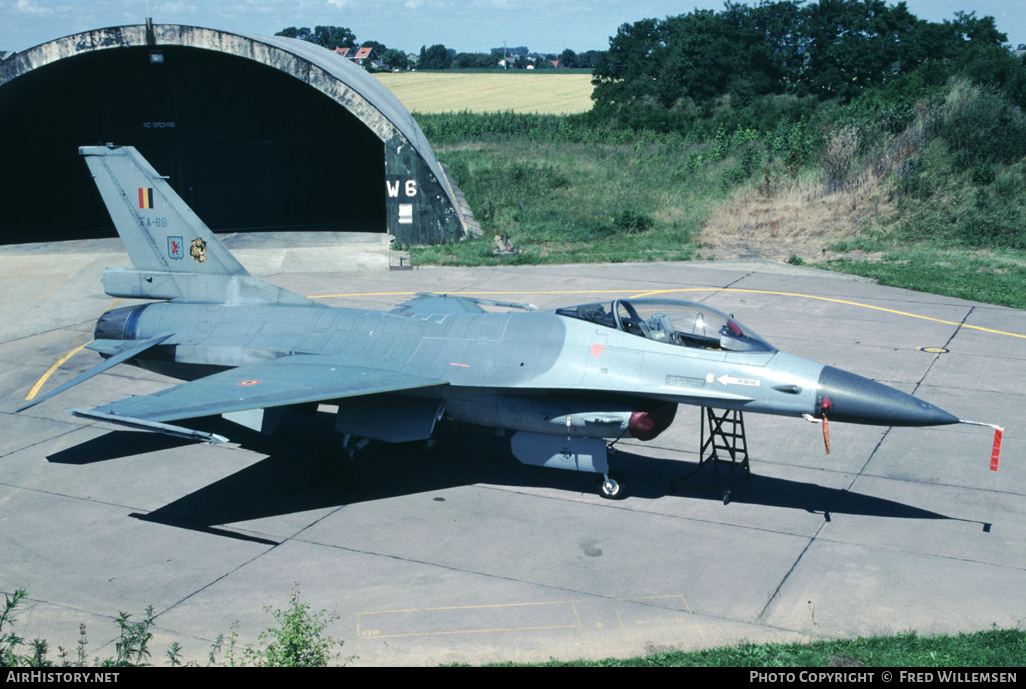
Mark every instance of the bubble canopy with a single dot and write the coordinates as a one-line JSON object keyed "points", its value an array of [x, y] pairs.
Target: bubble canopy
{"points": [[680, 323]]}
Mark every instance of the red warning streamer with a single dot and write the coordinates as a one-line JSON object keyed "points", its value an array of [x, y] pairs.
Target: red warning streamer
{"points": [[826, 406], [995, 454]]}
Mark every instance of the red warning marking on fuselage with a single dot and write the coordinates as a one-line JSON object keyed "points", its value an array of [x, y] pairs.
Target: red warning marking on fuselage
{"points": [[596, 350], [453, 363], [249, 382]]}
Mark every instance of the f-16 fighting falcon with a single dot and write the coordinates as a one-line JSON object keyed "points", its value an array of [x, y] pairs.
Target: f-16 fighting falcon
{"points": [[559, 383]]}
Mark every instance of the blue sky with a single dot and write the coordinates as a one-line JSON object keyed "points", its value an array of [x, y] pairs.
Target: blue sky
{"points": [[466, 25]]}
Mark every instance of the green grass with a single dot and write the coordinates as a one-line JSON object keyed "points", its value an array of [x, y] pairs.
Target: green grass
{"points": [[989, 277], [992, 648], [580, 203]]}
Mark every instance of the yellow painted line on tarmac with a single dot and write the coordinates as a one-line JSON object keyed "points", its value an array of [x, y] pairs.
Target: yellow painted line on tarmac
{"points": [[459, 294], [53, 369], [369, 629], [651, 293], [60, 362]]}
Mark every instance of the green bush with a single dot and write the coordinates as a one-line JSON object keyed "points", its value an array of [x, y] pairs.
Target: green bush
{"points": [[982, 126], [298, 640], [629, 221]]}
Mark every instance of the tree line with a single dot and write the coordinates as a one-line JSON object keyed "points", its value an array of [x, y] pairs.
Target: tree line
{"points": [[332, 37], [657, 69], [832, 49], [438, 56]]}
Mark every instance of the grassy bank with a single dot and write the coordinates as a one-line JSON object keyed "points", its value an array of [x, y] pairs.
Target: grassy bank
{"points": [[569, 190], [928, 194], [568, 203]]}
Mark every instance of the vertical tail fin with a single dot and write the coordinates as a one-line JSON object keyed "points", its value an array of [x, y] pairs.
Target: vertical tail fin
{"points": [[159, 230], [174, 253]]}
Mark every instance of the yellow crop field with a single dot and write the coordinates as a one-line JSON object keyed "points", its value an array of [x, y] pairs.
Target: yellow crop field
{"points": [[547, 93]]}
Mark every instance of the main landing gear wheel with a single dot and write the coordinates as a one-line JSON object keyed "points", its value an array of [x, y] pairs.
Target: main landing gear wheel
{"points": [[612, 486], [351, 444]]}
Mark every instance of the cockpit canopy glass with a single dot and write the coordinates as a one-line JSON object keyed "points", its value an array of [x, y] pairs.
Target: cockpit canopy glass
{"points": [[681, 323]]}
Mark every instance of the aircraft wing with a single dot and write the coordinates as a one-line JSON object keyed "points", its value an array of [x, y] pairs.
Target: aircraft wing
{"points": [[285, 381]]}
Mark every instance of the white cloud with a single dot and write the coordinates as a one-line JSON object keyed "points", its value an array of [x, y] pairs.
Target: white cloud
{"points": [[30, 7], [176, 6]]}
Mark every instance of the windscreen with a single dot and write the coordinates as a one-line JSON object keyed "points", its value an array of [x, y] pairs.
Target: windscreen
{"points": [[680, 323]]}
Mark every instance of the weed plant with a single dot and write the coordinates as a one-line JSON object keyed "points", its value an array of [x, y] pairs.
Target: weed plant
{"points": [[297, 640]]}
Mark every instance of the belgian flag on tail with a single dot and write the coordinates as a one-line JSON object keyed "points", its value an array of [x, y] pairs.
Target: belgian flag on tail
{"points": [[145, 197]]}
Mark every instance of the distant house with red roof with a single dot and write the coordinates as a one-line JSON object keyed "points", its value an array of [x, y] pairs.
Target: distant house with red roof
{"points": [[360, 55]]}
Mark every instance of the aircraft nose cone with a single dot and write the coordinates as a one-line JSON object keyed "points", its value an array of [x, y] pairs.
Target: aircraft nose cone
{"points": [[859, 400]]}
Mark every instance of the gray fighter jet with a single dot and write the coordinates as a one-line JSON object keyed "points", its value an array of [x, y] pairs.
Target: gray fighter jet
{"points": [[559, 383]]}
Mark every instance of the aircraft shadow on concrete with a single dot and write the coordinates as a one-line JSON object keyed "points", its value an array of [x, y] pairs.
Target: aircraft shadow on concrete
{"points": [[306, 469], [116, 445]]}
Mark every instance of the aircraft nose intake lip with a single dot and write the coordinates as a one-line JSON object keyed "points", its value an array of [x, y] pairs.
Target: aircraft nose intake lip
{"points": [[859, 400]]}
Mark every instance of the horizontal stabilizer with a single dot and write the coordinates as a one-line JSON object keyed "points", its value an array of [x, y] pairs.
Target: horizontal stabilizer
{"points": [[203, 288], [123, 354], [286, 381]]}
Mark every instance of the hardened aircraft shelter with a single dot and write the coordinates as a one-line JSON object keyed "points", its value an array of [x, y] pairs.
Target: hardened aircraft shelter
{"points": [[254, 132]]}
